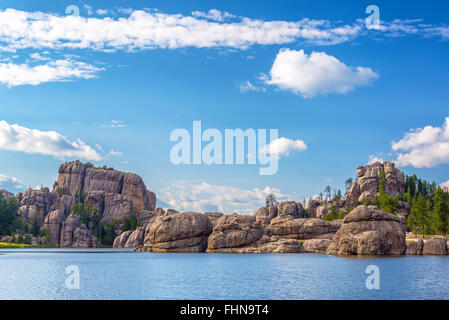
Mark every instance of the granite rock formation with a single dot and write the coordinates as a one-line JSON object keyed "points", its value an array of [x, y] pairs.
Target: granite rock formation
{"points": [[369, 231], [367, 185]]}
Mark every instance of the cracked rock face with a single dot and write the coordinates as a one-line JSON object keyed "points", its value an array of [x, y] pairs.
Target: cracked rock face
{"points": [[369, 231], [367, 185], [178, 232]]}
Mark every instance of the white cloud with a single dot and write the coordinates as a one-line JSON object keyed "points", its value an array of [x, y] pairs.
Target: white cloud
{"points": [[249, 86], [115, 153], [314, 74], [149, 30], [89, 9], [213, 14], [102, 12], [444, 185], [8, 182], [13, 75], [115, 124], [373, 159], [284, 146], [424, 147], [38, 57], [17, 138], [184, 196]]}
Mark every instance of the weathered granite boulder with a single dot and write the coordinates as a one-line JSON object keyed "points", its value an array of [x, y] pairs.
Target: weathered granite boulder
{"points": [[234, 231], [178, 232], [316, 245], [312, 205], [68, 228], [322, 210], [136, 238], [27, 213], [290, 208], [435, 246], [369, 231], [53, 222], [287, 227], [82, 237], [414, 247], [367, 185], [41, 199], [265, 244], [120, 240]]}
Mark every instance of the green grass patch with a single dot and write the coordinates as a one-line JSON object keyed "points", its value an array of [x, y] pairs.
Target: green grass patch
{"points": [[7, 245]]}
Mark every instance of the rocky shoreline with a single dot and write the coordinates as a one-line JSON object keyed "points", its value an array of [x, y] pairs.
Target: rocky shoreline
{"points": [[104, 196]]}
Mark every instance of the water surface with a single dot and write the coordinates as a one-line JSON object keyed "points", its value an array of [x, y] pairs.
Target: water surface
{"points": [[123, 274]]}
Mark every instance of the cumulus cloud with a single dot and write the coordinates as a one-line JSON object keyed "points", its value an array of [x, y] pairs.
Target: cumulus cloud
{"points": [[424, 147], [12, 75], [17, 138], [202, 197], [314, 74], [284, 146], [8, 182]]}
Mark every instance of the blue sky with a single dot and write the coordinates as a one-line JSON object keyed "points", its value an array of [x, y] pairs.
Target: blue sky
{"points": [[123, 92]]}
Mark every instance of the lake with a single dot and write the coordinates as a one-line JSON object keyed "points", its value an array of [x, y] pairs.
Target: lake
{"points": [[123, 274]]}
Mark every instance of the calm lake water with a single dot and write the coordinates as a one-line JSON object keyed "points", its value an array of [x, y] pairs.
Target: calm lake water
{"points": [[123, 274]]}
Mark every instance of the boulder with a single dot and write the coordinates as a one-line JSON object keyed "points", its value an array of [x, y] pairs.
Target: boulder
{"points": [[6, 194], [178, 232], [53, 222], [316, 245], [435, 246], [312, 205], [369, 231], [41, 199], [136, 238], [68, 228], [322, 210], [120, 241], [234, 231], [64, 203], [287, 227], [289, 208], [414, 247], [82, 237], [27, 213]]}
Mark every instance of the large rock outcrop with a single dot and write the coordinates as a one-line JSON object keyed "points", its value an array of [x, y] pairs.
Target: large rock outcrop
{"points": [[367, 185], [103, 187], [53, 222], [234, 231], [178, 232], [369, 231], [435, 246]]}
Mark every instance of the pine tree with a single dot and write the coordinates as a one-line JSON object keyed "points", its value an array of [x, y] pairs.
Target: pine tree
{"points": [[419, 215], [35, 226], [441, 211]]}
